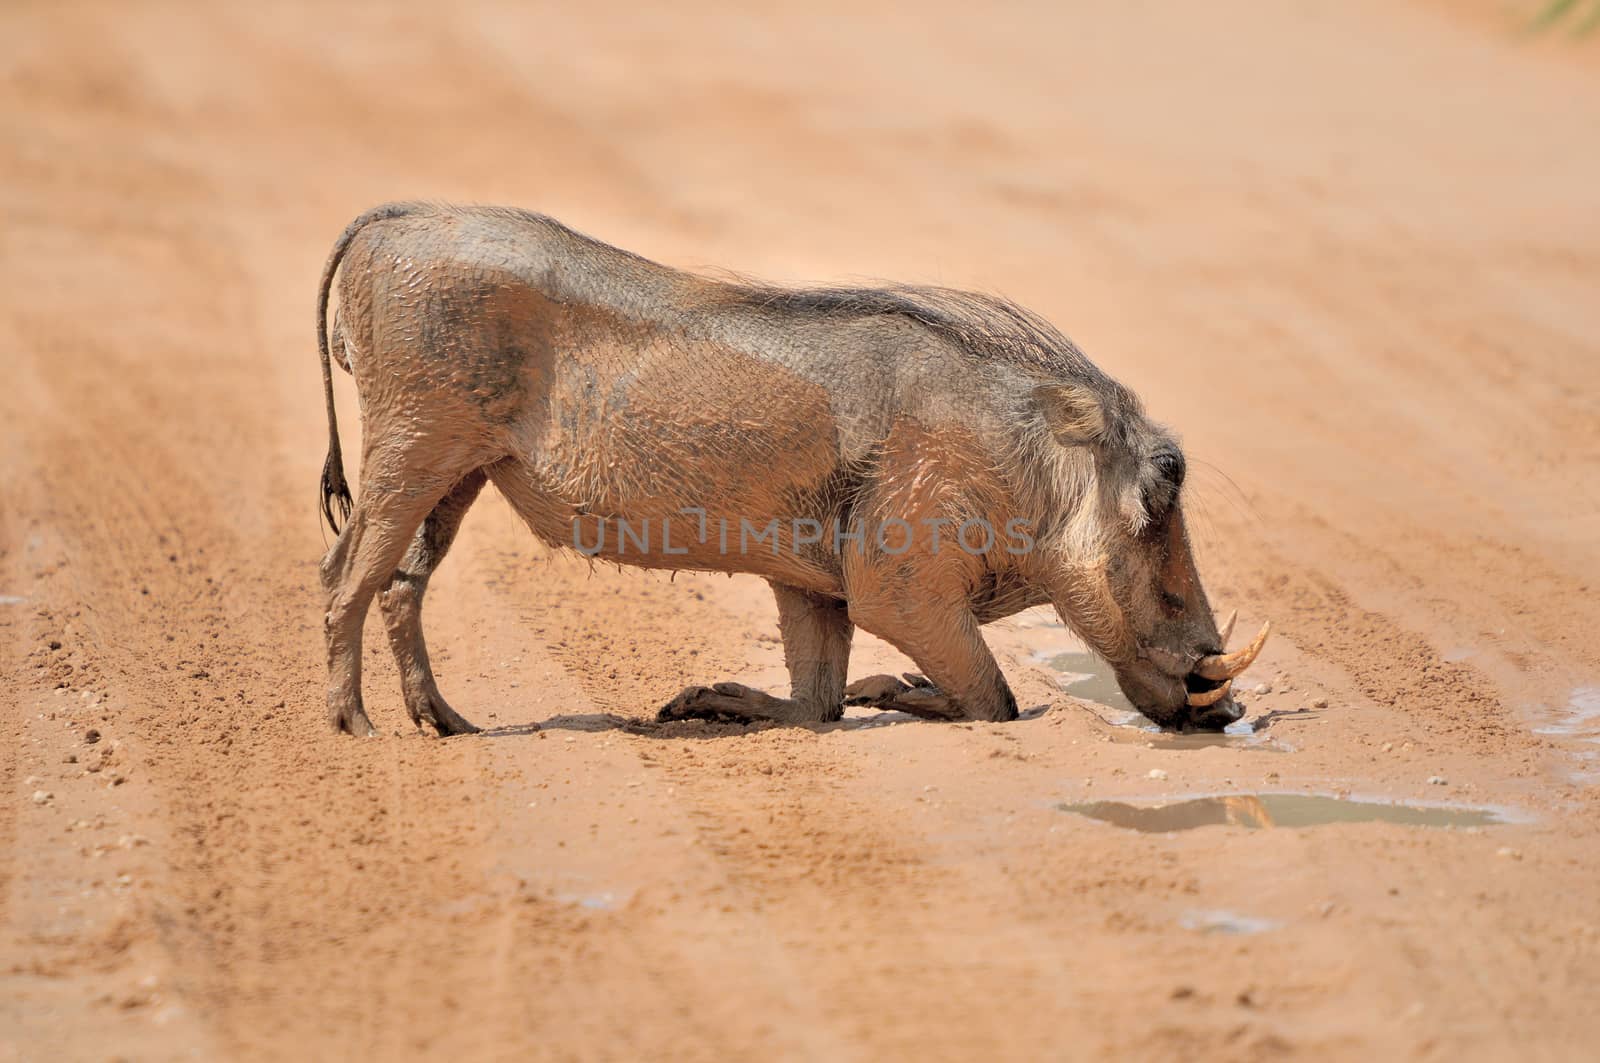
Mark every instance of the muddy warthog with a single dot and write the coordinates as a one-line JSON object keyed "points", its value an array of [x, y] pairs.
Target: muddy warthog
{"points": [[913, 461]]}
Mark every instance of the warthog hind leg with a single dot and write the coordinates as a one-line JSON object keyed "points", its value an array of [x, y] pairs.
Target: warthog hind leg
{"points": [[402, 609], [816, 647], [361, 562], [407, 468]]}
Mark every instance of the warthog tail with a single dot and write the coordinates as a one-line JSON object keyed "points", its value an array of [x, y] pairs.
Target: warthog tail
{"points": [[335, 489]]}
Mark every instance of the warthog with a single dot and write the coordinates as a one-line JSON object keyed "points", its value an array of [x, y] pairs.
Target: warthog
{"points": [[913, 461]]}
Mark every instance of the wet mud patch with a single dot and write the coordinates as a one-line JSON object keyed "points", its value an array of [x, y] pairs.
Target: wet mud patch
{"points": [[1578, 718], [1221, 921], [1266, 811], [1576, 724]]}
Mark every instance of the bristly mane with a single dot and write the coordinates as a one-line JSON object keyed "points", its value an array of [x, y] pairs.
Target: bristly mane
{"points": [[986, 325]]}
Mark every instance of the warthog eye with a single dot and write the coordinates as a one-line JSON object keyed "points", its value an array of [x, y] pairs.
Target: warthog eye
{"points": [[1163, 488], [1169, 464]]}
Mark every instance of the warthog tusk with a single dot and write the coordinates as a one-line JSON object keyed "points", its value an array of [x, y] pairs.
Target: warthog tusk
{"points": [[1228, 665], [1227, 626], [1210, 697]]}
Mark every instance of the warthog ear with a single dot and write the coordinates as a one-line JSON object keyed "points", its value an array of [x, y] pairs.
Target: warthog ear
{"points": [[1074, 414]]}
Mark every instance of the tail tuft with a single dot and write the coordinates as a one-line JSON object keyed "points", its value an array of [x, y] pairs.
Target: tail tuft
{"points": [[335, 491]]}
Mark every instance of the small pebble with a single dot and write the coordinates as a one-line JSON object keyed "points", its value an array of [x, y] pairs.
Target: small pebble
{"points": [[91, 736], [1157, 773], [1263, 688], [1319, 703], [42, 797], [1388, 747], [1437, 780], [1508, 852]]}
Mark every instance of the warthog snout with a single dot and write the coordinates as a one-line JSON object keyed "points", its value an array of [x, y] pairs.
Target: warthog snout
{"points": [[1197, 697]]}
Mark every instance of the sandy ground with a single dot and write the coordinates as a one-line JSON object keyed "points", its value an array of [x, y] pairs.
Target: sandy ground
{"points": [[1351, 251]]}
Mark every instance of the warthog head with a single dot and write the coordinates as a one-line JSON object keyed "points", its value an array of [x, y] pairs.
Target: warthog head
{"points": [[1115, 554]]}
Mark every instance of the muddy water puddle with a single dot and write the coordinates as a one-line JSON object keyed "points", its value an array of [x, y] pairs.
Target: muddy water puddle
{"points": [[1085, 676], [1264, 811]]}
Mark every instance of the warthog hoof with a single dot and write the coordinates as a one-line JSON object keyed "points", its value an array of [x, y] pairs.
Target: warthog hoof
{"points": [[437, 713], [352, 721]]}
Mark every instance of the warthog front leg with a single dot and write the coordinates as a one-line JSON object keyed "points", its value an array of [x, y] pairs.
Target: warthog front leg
{"points": [[732, 702], [941, 634], [402, 609], [816, 647], [914, 696]]}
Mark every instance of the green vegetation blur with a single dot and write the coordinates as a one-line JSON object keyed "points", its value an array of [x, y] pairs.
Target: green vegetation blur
{"points": [[1580, 16]]}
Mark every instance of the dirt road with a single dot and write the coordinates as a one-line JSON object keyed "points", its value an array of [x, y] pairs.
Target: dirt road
{"points": [[1350, 251]]}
